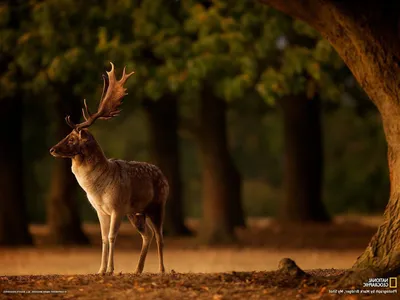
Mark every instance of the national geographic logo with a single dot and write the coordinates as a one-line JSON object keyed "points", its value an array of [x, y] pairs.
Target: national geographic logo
{"points": [[393, 282], [390, 282]]}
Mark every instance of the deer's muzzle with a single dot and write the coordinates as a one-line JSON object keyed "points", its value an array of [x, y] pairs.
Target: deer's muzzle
{"points": [[52, 151]]}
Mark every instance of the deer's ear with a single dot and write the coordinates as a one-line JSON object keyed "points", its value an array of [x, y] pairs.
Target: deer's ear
{"points": [[83, 135]]}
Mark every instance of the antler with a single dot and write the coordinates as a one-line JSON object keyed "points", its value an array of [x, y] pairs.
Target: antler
{"points": [[69, 122], [110, 102]]}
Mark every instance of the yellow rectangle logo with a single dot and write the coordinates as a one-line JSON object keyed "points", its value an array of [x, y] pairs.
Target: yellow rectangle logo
{"points": [[393, 282]]}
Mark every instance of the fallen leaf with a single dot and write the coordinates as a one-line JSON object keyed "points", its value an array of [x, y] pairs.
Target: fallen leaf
{"points": [[322, 291]]}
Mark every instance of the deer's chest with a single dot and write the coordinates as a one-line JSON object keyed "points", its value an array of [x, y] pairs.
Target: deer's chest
{"points": [[102, 200], [96, 192], [100, 204]]}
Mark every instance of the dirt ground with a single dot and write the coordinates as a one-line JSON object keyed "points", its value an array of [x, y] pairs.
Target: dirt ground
{"points": [[243, 270]]}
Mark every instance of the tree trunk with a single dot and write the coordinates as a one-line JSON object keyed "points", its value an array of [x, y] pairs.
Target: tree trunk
{"points": [[221, 202], [303, 164], [366, 36], [62, 211], [13, 215], [383, 251], [237, 214], [163, 123]]}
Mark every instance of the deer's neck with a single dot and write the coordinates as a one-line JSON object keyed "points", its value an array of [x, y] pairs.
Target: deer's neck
{"points": [[90, 165]]}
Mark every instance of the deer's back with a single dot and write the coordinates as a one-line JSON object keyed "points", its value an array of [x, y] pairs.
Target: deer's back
{"points": [[144, 183]]}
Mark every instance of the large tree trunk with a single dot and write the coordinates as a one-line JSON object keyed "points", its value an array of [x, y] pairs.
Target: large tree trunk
{"points": [[221, 200], [383, 251], [163, 123], [13, 215], [62, 211], [366, 35], [303, 164]]}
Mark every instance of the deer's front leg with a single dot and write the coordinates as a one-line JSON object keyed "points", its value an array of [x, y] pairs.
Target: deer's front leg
{"points": [[116, 219], [105, 228]]}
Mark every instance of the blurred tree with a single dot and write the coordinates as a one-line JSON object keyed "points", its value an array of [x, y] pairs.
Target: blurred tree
{"points": [[13, 217], [222, 207], [211, 78], [301, 75], [159, 49], [303, 164], [163, 123], [143, 35], [366, 37], [55, 63], [303, 175], [106, 33], [62, 210], [243, 45]]}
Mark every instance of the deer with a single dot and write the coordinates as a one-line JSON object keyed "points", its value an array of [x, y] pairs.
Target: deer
{"points": [[116, 188]]}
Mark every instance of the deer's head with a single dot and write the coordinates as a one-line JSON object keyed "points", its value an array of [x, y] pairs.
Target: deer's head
{"points": [[80, 141]]}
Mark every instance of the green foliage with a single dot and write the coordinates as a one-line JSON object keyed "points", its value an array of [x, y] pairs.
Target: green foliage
{"points": [[59, 45], [176, 48], [306, 63], [245, 52], [356, 172], [222, 54]]}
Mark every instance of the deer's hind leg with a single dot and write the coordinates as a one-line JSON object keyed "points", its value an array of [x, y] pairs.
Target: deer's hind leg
{"points": [[156, 215], [139, 222]]}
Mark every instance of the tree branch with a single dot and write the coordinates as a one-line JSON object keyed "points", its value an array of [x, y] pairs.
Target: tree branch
{"points": [[306, 10]]}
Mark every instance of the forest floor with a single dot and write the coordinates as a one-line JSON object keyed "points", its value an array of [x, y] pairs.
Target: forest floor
{"points": [[247, 269]]}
